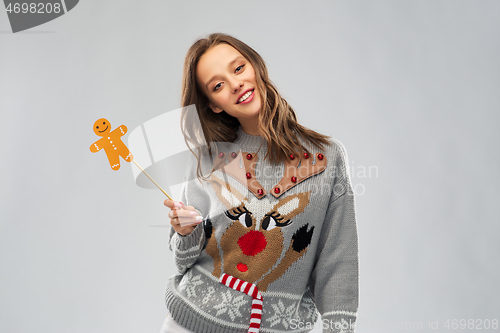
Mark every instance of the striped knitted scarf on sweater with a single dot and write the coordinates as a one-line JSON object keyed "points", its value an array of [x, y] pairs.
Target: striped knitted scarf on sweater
{"points": [[251, 290]]}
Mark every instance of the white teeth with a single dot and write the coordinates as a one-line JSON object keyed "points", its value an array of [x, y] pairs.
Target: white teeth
{"points": [[244, 97]]}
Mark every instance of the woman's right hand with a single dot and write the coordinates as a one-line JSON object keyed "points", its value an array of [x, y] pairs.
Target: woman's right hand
{"points": [[182, 218]]}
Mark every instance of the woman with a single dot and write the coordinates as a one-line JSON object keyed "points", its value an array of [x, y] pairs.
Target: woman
{"points": [[279, 239]]}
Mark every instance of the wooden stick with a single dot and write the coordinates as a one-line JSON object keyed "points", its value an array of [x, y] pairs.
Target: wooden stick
{"points": [[152, 180]]}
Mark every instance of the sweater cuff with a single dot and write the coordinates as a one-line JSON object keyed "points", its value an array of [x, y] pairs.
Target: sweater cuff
{"points": [[339, 322], [190, 240]]}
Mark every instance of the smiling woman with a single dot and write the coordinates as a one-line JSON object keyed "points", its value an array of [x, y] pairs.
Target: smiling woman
{"points": [[278, 242], [228, 80], [239, 70]]}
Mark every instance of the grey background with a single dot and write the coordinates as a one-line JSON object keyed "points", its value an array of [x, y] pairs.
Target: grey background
{"points": [[411, 88]]}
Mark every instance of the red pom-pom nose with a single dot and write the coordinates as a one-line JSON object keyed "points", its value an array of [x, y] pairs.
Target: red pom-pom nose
{"points": [[252, 243]]}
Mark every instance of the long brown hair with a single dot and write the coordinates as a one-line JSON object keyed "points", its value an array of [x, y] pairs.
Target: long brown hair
{"points": [[277, 121]]}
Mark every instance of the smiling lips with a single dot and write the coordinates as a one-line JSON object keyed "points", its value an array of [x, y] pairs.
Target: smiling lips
{"points": [[246, 97], [104, 130]]}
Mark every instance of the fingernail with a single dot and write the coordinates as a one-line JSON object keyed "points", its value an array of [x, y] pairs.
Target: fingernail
{"points": [[199, 218], [181, 203], [193, 213], [178, 205]]}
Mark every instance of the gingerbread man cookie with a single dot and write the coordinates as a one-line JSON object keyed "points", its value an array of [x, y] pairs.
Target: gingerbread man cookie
{"points": [[111, 142]]}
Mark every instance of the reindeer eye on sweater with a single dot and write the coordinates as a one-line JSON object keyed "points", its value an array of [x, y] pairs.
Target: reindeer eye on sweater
{"points": [[274, 219], [242, 214], [268, 223], [245, 220]]}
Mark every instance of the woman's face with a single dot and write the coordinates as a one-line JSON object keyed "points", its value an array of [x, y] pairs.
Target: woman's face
{"points": [[228, 80]]}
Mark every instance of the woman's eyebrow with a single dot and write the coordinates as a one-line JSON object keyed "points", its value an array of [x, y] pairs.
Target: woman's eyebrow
{"points": [[229, 66]]}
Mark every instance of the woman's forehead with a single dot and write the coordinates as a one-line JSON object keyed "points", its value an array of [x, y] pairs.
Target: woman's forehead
{"points": [[215, 60], [218, 55], [221, 50]]}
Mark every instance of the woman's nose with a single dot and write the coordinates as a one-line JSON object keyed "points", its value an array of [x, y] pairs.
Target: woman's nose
{"points": [[236, 85]]}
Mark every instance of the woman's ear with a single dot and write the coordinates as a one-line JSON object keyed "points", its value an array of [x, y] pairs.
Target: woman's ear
{"points": [[215, 108]]}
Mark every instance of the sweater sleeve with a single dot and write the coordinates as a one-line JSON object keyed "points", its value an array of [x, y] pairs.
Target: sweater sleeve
{"points": [[187, 248], [334, 280]]}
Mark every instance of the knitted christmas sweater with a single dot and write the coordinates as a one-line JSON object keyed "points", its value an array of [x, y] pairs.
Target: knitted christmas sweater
{"points": [[278, 243]]}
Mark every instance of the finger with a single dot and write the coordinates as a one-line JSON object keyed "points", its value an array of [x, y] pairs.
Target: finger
{"points": [[173, 204], [182, 213], [185, 223], [185, 218], [173, 214], [176, 221]]}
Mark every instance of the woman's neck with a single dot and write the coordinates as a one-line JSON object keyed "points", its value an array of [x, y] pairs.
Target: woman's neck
{"points": [[250, 126]]}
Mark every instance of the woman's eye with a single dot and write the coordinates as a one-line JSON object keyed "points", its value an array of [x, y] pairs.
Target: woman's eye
{"points": [[239, 68], [217, 86]]}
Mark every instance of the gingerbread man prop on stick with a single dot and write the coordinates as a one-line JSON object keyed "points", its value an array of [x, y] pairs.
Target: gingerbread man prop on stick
{"points": [[111, 142]]}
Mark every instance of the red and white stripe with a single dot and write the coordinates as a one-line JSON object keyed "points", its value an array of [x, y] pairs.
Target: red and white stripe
{"points": [[251, 290]]}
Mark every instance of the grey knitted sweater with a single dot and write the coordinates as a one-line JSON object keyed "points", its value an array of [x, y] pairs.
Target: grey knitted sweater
{"points": [[289, 229]]}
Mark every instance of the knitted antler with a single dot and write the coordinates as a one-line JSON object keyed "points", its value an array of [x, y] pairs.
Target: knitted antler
{"points": [[294, 174], [245, 175]]}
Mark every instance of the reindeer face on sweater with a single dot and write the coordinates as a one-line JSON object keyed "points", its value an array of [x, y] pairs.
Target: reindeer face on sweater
{"points": [[253, 243]]}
